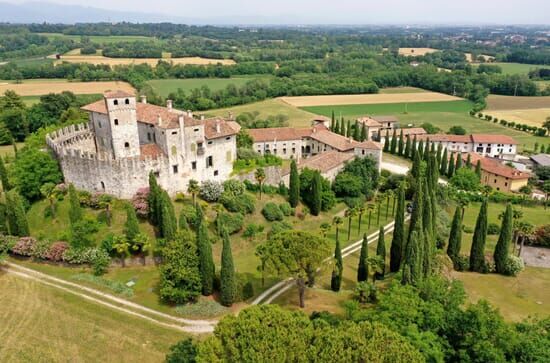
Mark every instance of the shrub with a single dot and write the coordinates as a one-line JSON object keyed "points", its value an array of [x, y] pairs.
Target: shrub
{"points": [[24, 247], [286, 209], [542, 236], [365, 292], [83, 256], [115, 286], [514, 265], [7, 243], [242, 204], [467, 229], [279, 227], [232, 222], [493, 229], [202, 308], [248, 291], [100, 260], [233, 187], [272, 213], [56, 251], [462, 263], [457, 130], [190, 214], [211, 191], [41, 249], [252, 230], [140, 202]]}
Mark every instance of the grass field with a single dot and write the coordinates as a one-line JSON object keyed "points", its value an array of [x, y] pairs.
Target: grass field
{"points": [[41, 87], [365, 99], [516, 68], [391, 90], [391, 108], [165, 86], [416, 51], [97, 59], [43, 324], [101, 39], [498, 103]]}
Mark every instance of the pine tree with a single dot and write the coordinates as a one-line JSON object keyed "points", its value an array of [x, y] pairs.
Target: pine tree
{"points": [[206, 263], [407, 153], [458, 162], [477, 252], [363, 132], [75, 211], [227, 273], [182, 221], [413, 148], [455, 237], [15, 215], [397, 243], [6, 186], [451, 168], [387, 142], [131, 227], [478, 169], [401, 144], [443, 163], [363, 268], [357, 132], [337, 271], [294, 185], [469, 161], [316, 194], [381, 252], [504, 239]]}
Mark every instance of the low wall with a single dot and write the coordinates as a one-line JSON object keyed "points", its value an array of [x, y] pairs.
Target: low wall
{"points": [[273, 176]]}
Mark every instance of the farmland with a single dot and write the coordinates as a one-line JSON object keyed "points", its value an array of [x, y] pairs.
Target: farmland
{"points": [[526, 110], [166, 86], [410, 52], [515, 68], [100, 39], [98, 59], [43, 86]]}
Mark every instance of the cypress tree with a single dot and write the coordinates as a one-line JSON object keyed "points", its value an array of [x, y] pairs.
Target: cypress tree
{"points": [[337, 271], [363, 268], [332, 123], [397, 243], [458, 162], [131, 227], [455, 237], [206, 263], [478, 169], [168, 223], [443, 163], [412, 271], [387, 142], [182, 221], [426, 153], [477, 252], [348, 129], [421, 149], [427, 224], [15, 215], [154, 200], [294, 185], [4, 177], [451, 168], [337, 127], [393, 145], [363, 132], [504, 239], [381, 252], [415, 169], [401, 144], [417, 212], [227, 273], [413, 148], [357, 132], [343, 130], [439, 154], [407, 153], [316, 194], [469, 161], [75, 211], [432, 147]]}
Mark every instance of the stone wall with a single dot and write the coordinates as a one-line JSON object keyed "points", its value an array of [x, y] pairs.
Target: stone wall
{"points": [[273, 176]]}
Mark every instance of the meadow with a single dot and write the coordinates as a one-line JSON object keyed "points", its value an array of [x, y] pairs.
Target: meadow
{"points": [[165, 86], [526, 110], [515, 68]]}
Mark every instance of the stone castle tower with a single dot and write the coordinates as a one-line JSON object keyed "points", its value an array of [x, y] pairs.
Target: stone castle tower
{"points": [[123, 126]]}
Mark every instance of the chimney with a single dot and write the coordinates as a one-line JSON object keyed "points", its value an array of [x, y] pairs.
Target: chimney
{"points": [[202, 117], [218, 126], [180, 121], [169, 104], [230, 115], [143, 99], [189, 113], [159, 119], [350, 139]]}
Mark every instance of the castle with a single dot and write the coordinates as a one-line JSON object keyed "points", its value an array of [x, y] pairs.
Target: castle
{"points": [[125, 140]]}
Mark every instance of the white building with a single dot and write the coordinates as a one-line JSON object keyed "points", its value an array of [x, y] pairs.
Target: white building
{"points": [[495, 146]]}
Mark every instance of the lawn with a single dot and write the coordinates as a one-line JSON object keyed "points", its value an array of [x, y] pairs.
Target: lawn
{"points": [[515, 68], [354, 111], [166, 86], [43, 324]]}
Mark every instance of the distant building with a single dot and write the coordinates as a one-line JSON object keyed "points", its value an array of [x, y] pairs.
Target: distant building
{"points": [[541, 159], [496, 146], [376, 125]]}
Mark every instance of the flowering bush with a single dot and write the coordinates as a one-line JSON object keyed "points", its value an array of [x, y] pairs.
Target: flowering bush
{"points": [[24, 247], [61, 188], [7, 243], [211, 191], [41, 249], [514, 265], [56, 251], [94, 201], [85, 256], [139, 202]]}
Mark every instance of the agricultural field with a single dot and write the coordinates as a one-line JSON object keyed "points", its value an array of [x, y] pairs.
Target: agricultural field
{"points": [[470, 59], [98, 59], [515, 68], [526, 110], [391, 90], [460, 106], [412, 52], [42, 323], [165, 86], [100, 39], [40, 87]]}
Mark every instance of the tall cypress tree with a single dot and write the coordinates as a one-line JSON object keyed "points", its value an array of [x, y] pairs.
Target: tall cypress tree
{"points": [[421, 149], [15, 214], [455, 237], [168, 223], [131, 227], [439, 154], [75, 211], [332, 122], [427, 224], [363, 132], [6, 186], [348, 129], [407, 153], [294, 185], [469, 161], [357, 132], [478, 169], [413, 148], [227, 273], [443, 163], [381, 252], [426, 153], [182, 221], [337, 271], [477, 252], [387, 142], [393, 144], [416, 166], [316, 194], [458, 162], [154, 200], [337, 127], [397, 243], [401, 144], [504, 239], [412, 268], [363, 268], [417, 212], [206, 263], [451, 168]]}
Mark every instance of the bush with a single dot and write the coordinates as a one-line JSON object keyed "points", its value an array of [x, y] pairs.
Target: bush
{"points": [[286, 209], [241, 204], [56, 251], [467, 229], [24, 247], [211, 191], [279, 227], [7, 243], [100, 260], [233, 187], [514, 265], [248, 291], [232, 222], [202, 308], [272, 213], [457, 130], [76, 256], [115, 286], [462, 263], [140, 202], [252, 230], [542, 236], [41, 249], [493, 229], [365, 292]]}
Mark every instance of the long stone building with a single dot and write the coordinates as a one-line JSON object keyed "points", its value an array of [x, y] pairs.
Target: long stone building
{"points": [[125, 140]]}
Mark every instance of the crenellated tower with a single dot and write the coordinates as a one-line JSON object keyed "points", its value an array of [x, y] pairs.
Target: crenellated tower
{"points": [[121, 112]]}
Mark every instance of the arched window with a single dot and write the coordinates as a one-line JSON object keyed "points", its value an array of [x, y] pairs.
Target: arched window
{"points": [[116, 121], [115, 102], [103, 186], [127, 101], [126, 145]]}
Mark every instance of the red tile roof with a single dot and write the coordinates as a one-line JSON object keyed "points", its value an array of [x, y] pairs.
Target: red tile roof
{"points": [[445, 138], [227, 128], [369, 121], [338, 142], [369, 145], [278, 134], [117, 94], [326, 161], [493, 139], [385, 118], [411, 131], [495, 167], [150, 150]]}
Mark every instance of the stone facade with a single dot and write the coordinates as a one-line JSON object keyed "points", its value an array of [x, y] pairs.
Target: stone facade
{"points": [[124, 141]]}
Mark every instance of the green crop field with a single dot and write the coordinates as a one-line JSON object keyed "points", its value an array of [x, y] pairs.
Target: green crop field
{"points": [[101, 39], [166, 86], [515, 68], [391, 108]]}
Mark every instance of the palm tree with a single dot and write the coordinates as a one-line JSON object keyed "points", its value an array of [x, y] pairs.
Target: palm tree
{"points": [[193, 188], [122, 248], [350, 213], [379, 198], [360, 211], [525, 230], [49, 192], [370, 208], [260, 177], [325, 228], [337, 221], [463, 200]]}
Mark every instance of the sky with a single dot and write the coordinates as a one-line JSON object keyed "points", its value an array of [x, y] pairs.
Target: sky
{"points": [[341, 11]]}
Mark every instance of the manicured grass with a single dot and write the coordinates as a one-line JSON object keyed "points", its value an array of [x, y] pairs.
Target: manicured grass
{"points": [[271, 107], [44, 324], [391, 108], [166, 86], [515, 68], [101, 39]]}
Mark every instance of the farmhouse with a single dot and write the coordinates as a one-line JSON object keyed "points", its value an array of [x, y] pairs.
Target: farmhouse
{"points": [[495, 146], [125, 140], [376, 125]]}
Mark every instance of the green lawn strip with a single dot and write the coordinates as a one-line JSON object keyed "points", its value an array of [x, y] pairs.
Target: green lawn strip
{"points": [[515, 68], [459, 106]]}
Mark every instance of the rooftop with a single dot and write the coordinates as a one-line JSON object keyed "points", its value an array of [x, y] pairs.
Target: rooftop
{"points": [[406, 132], [338, 142], [117, 94], [326, 161], [369, 121], [384, 118], [495, 167], [541, 159], [493, 139]]}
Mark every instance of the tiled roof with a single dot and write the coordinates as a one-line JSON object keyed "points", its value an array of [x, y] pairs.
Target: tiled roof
{"points": [[278, 134], [541, 159], [117, 94], [369, 121], [333, 140], [226, 128], [493, 139], [326, 161], [369, 145], [385, 118], [150, 150], [411, 131], [445, 138], [495, 167]]}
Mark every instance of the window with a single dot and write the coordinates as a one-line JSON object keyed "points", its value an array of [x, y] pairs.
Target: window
{"points": [[103, 186], [495, 181], [126, 145], [294, 150], [228, 138], [505, 184], [175, 169], [209, 142], [116, 121], [156, 174], [275, 151], [174, 132], [127, 101], [194, 165], [196, 130], [199, 144], [209, 162], [284, 151], [99, 124], [115, 102], [148, 136], [215, 173]]}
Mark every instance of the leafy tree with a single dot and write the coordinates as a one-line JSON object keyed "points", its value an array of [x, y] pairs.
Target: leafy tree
{"points": [[206, 263], [182, 352], [504, 239], [49, 192], [328, 198], [367, 170], [33, 168], [363, 268], [398, 239], [294, 185], [295, 253], [259, 175], [337, 221], [315, 207], [131, 227], [75, 211], [465, 179], [16, 121], [457, 130], [121, 246], [477, 252], [15, 214], [6, 186], [347, 185], [381, 253], [82, 232], [455, 237], [349, 214], [227, 273]]}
